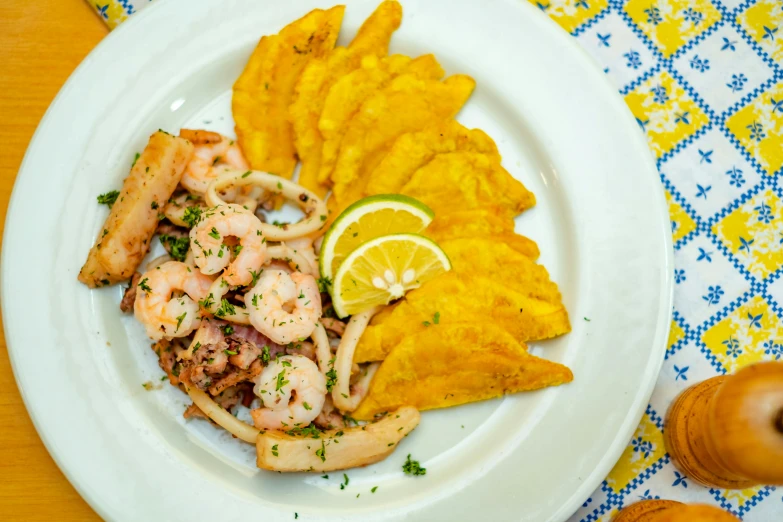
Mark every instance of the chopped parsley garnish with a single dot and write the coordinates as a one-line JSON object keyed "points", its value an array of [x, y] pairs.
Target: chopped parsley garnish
{"points": [[412, 467], [306, 406], [324, 476], [207, 302], [226, 308], [286, 363], [279, 185], [109, 198], [373, 490], [154, 205], [281, 381], [323, 218], [321, 453], [308, 431], [274, 450], [237, 250], [586, 319], [227, 329], [178, 247], [191, 216], [144, 286], [436, 318], [246, 174], [255, 275], [426, 323], [255, 300], [214, 233], [331, 376], [135, 159], [229, 352], [324, 283], [196, 347], [180, 319], [265, 356]]}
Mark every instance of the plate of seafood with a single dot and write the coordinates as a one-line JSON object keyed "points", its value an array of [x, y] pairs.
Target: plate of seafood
{"points": [[298, 260]]}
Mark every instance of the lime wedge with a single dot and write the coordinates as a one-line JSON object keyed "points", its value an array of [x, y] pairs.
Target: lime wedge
{"points": [[368, 219], [383, 269]]}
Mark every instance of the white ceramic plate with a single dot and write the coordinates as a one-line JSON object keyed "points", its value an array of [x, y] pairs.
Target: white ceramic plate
{"points": [[601, 222]]}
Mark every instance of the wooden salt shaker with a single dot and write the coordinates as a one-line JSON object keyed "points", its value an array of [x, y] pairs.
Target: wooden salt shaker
{"points": [[727, 432], [671, 511]]}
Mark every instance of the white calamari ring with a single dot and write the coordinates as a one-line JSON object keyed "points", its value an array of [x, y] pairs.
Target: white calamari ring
{"points": [[314, 208]]}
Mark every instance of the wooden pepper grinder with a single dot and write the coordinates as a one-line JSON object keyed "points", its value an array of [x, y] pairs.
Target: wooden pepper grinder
{"points": [[671, 511], [727, 432]]}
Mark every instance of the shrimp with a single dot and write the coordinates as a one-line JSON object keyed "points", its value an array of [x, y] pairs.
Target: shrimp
{"points": [[212, 255], [162, 315], [284, 307], [292, 391], [211, 150]]}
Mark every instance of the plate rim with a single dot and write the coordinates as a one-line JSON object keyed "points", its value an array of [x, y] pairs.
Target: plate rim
{"points": [[663, 320]]}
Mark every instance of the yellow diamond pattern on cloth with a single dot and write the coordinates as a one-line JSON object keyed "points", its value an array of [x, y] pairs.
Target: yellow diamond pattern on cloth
{"points": [[570, 14], [682, 223], [759, 128], [670, 24], [738, 498], [761, 22], [747, 335], [676, 334], [645, 449], [753, 233], [665, 111]]}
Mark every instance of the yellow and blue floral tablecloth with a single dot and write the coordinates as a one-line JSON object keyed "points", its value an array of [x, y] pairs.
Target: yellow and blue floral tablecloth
{"points": [[704, 80]]}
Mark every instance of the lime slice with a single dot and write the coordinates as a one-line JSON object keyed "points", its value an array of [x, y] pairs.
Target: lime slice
{"points": [[383, 269], [367, 219]]}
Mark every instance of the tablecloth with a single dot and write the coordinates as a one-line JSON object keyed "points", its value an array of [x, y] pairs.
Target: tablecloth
{"points": [[704, 81]]}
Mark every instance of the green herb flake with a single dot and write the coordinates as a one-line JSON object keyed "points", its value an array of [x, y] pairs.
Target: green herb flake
{"points": [[281, 381], [412, 467], [179, 320], [192, 216], [214, 233], [274, 450], [144, 286], [109, 198], [135, 159], [246, 174], [436, 318], [177, 247], [321, 453]]}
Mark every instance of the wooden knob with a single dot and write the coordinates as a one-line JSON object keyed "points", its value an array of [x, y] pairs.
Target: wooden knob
{"points": [[671, 511], [727, 432]]}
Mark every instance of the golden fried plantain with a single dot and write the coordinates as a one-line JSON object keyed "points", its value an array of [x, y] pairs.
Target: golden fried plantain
{"points": [[413, 150], [317, 78], [264, 90], [467, 180], [407, 104], [486, 222], [345, 98], [501, 263], [457, 298], [448, 365]]}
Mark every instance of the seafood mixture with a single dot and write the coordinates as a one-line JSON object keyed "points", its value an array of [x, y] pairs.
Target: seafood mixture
{"points": [[372, 306]]}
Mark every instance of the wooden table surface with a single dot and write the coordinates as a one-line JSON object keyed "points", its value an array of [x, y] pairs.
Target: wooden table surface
{"points": [[41, 43]]}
